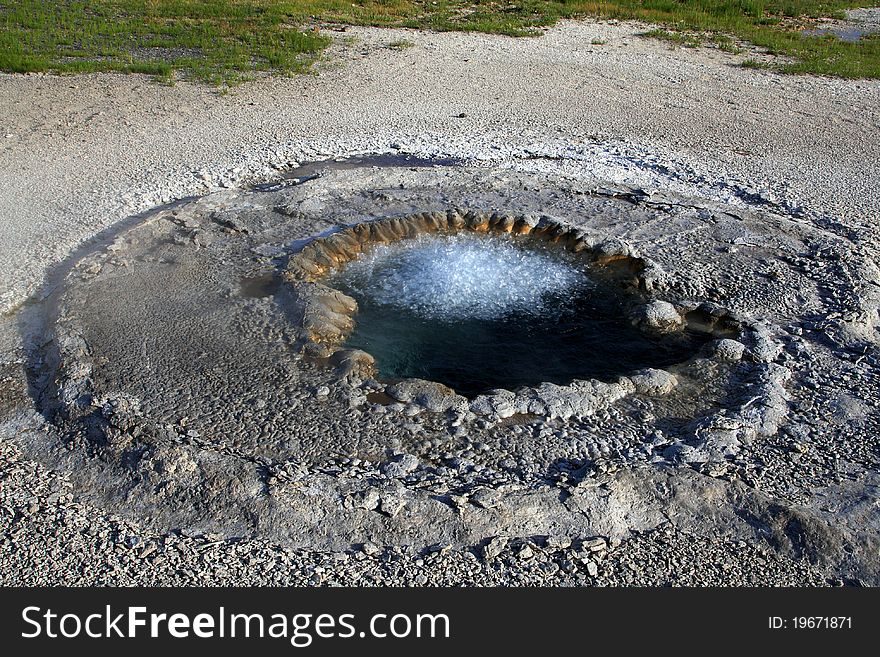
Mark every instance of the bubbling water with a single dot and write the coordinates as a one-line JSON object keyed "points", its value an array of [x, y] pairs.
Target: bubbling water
{"points": [[479, 312], [465, 276]]}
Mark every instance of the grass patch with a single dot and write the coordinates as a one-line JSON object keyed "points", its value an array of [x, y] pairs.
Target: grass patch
{"points": [[725, 43], [695, 39], [401, 44], [683, 39], [225, 41], [218, 41]]}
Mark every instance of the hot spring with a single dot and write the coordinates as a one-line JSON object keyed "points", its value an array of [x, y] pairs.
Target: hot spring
{"points": [[478, 312]]}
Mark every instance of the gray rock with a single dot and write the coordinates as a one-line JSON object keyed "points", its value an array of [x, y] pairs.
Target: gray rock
{"points": [[370, 549], [391, 504], [765, 347], [597, 544], [500, 403], [581, 398], [368, 499], [558, 542], [660, 316], [654, 382], [494, 547], [728, 350], [686, 454], [486, 498], [400, 467], [525, 553], [460, 502], [353, 364], [429, 395]]}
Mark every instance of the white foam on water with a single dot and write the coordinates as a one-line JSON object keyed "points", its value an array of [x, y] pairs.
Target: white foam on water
{"points": [[464, 276]]}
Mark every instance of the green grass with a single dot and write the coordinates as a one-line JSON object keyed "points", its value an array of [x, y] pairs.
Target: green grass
{"points": [[401, 44], [225, 41], [695, 40], [683, 39], [218, 41]]}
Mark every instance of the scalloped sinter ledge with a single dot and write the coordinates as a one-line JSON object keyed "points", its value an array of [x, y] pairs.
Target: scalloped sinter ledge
{"points": [[327, 315]]}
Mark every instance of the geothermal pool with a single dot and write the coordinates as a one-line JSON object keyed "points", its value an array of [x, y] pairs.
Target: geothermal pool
{"points": [[478, 312]]}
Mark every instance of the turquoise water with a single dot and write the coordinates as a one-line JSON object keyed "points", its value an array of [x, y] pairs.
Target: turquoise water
{"points": [[484, 312]]}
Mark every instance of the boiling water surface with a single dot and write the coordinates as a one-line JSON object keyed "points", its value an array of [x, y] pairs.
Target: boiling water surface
{"points": [[483, 312]]}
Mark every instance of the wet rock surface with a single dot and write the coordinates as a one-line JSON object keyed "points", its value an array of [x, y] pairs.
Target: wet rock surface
{"points": [[170, 396]]}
